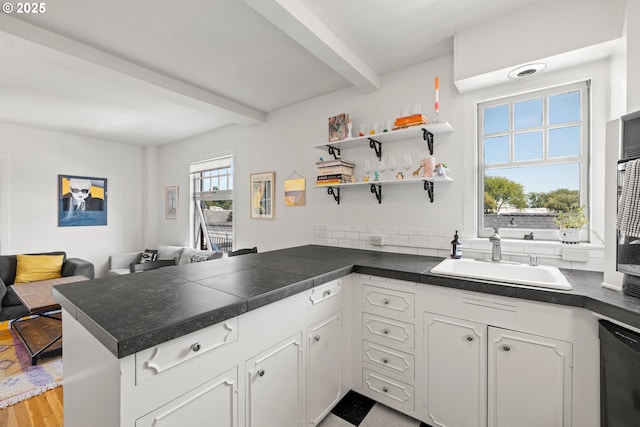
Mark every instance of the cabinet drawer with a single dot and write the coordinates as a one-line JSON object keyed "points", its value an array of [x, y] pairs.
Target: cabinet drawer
{"points": [[152, 362], [393, 393], [391, 302], [389, 360], [325, 292], [388, 331]]}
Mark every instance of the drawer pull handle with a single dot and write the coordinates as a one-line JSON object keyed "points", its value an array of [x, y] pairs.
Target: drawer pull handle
{"points": [[261, 372], [326, 293], [385, 360], [385, 301], [196, 347], [506, 347], [469, 338], [316, 338], [385, 331], [385, 389]]}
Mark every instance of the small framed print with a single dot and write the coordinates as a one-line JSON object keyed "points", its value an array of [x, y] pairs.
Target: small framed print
{"points": [[262, 192], [171, 202]]}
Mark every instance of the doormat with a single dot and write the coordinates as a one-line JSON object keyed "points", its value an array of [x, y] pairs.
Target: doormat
{"points": [[19, 380]]}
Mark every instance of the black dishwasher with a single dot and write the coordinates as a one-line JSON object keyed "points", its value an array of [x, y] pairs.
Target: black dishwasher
{"points": [[619, 376]]}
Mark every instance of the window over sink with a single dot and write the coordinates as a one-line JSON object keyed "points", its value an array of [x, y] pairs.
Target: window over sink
{"points": [[533, 160]]}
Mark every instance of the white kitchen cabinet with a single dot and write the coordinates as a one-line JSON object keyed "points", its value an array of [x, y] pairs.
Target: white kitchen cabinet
{"points": [[324, 367], [455, 366], [385, 362], [479, 375], [214, 400], [274, 386], [529, 380]]}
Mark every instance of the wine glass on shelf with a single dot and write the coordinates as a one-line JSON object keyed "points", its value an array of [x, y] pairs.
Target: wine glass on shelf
{"points": [[407, 162], [382, 166], [392, 164]]}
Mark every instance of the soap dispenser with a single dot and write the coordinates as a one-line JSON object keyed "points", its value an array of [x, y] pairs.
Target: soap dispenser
{"points": [[456, 247]]}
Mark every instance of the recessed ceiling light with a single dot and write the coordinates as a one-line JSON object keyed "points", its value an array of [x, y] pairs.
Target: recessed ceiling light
{"points": [[527, 70]]}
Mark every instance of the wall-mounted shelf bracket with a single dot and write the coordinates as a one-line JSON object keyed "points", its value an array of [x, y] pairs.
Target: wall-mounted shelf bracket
{"points": [[335, 152], [377, 190], [335, 192], [428, 186], [428, 136], [377, 146]]}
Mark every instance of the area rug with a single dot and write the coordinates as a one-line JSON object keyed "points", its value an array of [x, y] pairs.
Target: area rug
{"points": [[19, 380]]}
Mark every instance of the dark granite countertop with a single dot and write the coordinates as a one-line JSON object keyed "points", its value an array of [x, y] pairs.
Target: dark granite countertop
{"points": [[133, 312]]}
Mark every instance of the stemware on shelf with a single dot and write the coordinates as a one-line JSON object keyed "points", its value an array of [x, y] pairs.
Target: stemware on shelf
{"points": [[407, 161]]}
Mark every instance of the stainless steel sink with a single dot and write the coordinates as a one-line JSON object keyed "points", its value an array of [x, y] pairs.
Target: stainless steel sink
{"points": [[541, 276]]}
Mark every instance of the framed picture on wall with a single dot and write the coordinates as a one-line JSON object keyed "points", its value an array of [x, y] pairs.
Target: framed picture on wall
{"points": [[82, 201], [262, 187], [171, 202]]}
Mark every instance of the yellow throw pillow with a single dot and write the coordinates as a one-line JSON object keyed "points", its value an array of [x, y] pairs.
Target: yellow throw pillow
{"points": [[32, 268]]}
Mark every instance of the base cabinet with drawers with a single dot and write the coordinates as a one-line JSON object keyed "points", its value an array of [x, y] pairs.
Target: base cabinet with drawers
{"points": [[444, 356], [456, 358], [280, 365], [386, 360]]}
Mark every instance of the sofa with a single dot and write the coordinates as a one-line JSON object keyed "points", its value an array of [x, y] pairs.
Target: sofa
{"points": [[11, 307], [130, 262]]}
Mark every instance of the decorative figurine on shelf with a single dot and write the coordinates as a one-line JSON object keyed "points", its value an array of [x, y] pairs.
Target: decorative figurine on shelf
{"points": [[349, 126], [375, 175], [361, 130], [399, 176], [441, 169], [428, 163], [366, 178], [416, 173]]}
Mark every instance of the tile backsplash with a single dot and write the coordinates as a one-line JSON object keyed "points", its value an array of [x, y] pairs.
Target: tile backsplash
{"points": [[436, 242]]}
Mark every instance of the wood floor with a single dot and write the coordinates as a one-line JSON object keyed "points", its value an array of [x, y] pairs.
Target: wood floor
{"points": [[44, 410]]}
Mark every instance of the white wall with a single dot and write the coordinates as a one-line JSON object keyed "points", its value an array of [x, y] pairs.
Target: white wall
{"points": [[285, 144], [29, 198], [538, 33]]}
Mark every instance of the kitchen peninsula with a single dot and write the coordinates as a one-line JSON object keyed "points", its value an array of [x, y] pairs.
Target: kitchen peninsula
{"points": [[277, 338]]}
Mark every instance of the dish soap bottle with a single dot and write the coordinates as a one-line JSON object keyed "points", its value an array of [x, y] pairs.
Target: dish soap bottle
{"points": [[456, 247]]}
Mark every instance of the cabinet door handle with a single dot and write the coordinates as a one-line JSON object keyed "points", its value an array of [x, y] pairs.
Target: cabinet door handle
{"points": [[261, 372], [469, 338], [196, 347], [326, 293], [316, 338], [385, 360], [385, 301], [506, 347], [385, 389], [385, 331]]}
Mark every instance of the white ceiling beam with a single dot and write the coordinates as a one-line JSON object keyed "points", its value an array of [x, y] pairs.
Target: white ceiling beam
{"points": [[152, 82], [297, 21]]}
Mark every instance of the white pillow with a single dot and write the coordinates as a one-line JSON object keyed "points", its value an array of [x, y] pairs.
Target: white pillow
{"points": [[169, 252], [193, 255]]}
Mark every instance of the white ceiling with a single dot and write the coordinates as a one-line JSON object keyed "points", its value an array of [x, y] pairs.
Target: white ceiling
{"points": [[150, 72]]}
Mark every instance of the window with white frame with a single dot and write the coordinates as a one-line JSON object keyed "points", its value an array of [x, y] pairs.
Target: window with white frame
{"points": [[533, 161], [212, 195]]}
